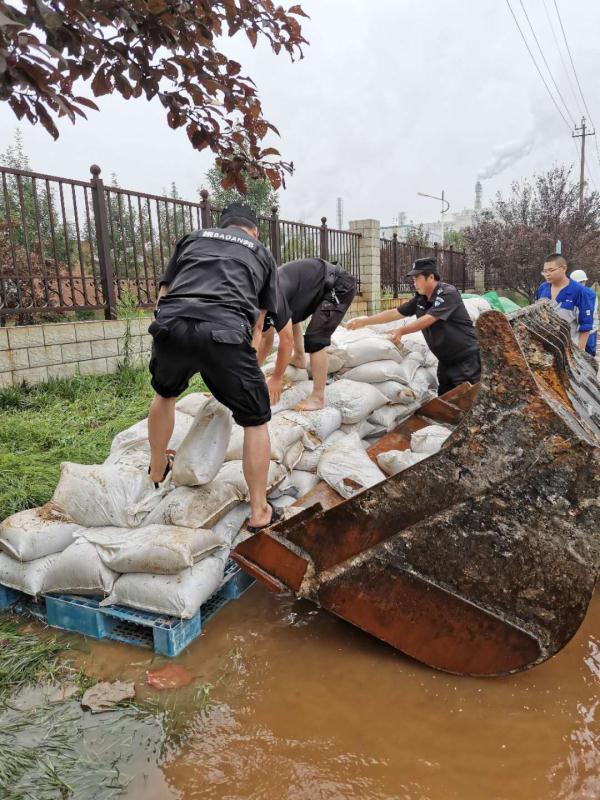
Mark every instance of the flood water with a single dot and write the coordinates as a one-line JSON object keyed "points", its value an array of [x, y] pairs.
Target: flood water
{"points": [[304, 707]]}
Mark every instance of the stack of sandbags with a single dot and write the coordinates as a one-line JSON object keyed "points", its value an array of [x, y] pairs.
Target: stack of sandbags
{"points": [[423, 443]]}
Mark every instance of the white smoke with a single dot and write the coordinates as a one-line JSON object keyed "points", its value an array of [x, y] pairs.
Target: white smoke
{"points": [[506, 155]]}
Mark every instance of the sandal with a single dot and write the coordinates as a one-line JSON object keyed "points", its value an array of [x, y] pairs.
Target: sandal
{"points": [[276, 516], [168, 469]]}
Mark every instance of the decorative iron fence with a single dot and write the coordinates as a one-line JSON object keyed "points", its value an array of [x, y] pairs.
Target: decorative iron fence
{"points": [[396, 259], [71, 246]]}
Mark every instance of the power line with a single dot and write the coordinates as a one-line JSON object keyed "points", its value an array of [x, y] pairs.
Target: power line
{"points": [[536, 66], [546, 63], [562, 60]]}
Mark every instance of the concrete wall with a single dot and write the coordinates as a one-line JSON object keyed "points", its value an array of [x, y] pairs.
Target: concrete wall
{"points": [[38, 353]]}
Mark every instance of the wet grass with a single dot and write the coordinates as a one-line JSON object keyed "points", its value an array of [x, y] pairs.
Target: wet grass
{"points": [[70, 420]]}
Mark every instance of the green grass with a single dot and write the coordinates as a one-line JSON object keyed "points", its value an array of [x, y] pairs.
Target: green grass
{"points": [[71, 420]]}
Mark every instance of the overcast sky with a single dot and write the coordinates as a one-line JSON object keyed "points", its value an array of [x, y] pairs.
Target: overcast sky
{"points": [[393, 97]]}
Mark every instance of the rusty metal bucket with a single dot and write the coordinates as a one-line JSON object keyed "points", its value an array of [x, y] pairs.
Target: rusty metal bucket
{"points": [[481, 559]]}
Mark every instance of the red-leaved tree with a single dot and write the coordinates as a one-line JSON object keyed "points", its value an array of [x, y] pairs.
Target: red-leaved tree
{"points": [[170, 49]]}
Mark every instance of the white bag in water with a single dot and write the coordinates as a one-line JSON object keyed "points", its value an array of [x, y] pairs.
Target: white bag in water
{"points": [[192, 403], [195, 507], [377, 348], [138, 433], [292, 396], [232, 472], [155, 549], [105, 495], [348, 469], [304, 481], [389, 417], [362, 428], [310, 458], [200, 455], [318, 424], [25, 576], [429, 440], [178, 595], [397, 392], [283, 434], [355, 400], [79, 570], [394, 461], [37, 532]]}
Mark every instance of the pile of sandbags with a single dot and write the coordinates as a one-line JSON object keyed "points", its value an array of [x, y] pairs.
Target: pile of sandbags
{"points": [[108, 533]]}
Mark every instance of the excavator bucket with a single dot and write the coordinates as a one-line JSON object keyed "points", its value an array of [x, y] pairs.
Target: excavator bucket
{"points": [[481, 559]]}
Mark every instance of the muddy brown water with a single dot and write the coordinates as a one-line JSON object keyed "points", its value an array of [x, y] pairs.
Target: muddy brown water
{"points": [[305, 707]]}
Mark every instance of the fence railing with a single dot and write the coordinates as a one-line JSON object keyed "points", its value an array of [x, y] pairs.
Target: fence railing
{"points": [[69, 246], [397, 257]]}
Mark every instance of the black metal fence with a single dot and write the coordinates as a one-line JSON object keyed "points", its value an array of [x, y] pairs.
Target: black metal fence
{"points": [[73, 246], [396, 259]]}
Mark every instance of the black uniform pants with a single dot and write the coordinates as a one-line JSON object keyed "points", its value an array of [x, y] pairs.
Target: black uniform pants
{"points": [[223, 356], [452, 375], [328, 314]]}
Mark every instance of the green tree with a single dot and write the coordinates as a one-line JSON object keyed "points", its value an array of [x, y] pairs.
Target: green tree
{"points": [[260, 196]]}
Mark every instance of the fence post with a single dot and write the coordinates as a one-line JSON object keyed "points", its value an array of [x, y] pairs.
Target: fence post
{"points": [[274, 235], [205, 209], [103, 243], [324, 243], [369, 253], [395, 261], [464, 271]]}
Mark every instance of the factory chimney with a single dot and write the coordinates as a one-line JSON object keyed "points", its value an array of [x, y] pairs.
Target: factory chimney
{"points": [[478, 190]]}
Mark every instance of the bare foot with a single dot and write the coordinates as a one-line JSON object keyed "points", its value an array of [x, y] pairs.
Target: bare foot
{"points": [[312, 403], [261, 519], [298, 361], [157, 469]]}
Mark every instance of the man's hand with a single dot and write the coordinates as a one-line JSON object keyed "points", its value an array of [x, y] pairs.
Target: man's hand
{"points": [[396, 335], [357, 322], [274, 386]]}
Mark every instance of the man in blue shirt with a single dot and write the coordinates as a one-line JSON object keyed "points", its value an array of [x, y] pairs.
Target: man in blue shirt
{"points": [[570, 299], [580, 276]]}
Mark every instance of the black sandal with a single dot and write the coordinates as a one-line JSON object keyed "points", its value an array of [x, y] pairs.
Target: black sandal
{"points": [[276, 516], [168, 469]]}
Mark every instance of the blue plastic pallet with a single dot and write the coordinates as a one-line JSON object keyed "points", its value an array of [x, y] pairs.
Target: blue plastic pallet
{"points": [[168, 636]]}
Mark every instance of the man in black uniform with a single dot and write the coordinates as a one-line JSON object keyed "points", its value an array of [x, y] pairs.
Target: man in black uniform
{"points": [[310, 287], [446, 325], [213, 298]]}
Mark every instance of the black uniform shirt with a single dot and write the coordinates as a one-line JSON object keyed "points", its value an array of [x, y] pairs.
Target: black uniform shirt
{"points": [[220, 274], [453, 337], [300, 290]]}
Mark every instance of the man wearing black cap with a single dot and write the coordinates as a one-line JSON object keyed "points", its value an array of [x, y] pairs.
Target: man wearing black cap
{"points": [[309, 287], [214, 295], [444, 321]]}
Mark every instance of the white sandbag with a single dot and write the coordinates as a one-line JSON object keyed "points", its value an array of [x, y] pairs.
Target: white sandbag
{"points": [[318, 424], [343, 336], [155, 549], [424, 384], [229, 526], [135, 454], [397, 392], [178, 595], [295, 394], [336, 359], [476, 306], [105, 495], [292, 374], [200, 455], [355, 400], [394, 461], [284, 501], [37, 532], [25, 576], [138, 433], [362, 428], [79, 570], [310, 458], [380, 371], [415, 342], [293, 456], [232, 472], [283, 434], [389, 417], [195, 507], [192, 403], [429, 440], [377, 348], [304, 481], [347, 468]]}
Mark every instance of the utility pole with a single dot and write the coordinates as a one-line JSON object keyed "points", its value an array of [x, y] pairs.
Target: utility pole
{"points": [[582, 136]]}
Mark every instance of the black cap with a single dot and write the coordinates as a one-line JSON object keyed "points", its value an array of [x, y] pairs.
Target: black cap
{"points": [[423, 265], [238, 213]]}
